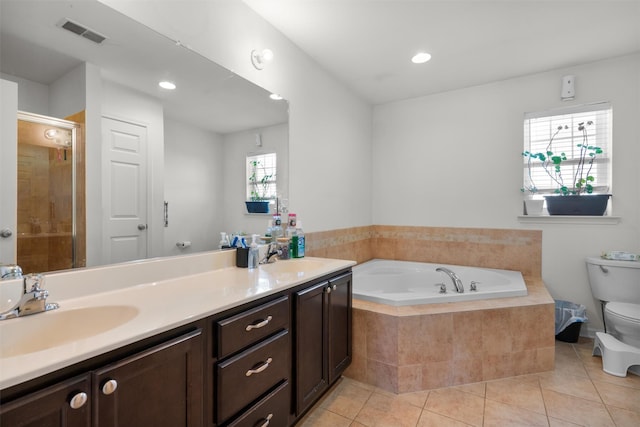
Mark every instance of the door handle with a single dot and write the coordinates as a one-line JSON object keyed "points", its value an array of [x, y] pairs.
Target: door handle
{"points": [[5, 233], [142, 227]]}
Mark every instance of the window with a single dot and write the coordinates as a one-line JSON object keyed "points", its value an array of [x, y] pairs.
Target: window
{"points": [[563, 129], [261, 176]]}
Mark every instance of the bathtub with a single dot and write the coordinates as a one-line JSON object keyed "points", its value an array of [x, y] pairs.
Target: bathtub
{"points": [[410, 283]]}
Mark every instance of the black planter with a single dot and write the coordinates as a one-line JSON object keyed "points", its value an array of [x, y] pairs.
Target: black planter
{"points": [[586, 204], [261, 206]]}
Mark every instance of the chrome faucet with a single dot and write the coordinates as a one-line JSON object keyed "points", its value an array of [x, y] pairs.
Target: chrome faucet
{"points": [[34, 299], [454, 278], [10, 271]]}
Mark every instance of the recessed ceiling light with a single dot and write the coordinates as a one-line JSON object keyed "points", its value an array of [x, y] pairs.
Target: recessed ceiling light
{"points": [[275, 97], [420, 58], [167, 85]]}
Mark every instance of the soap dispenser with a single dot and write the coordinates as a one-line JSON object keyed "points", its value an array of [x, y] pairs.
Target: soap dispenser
{"points": [[254, 253]]}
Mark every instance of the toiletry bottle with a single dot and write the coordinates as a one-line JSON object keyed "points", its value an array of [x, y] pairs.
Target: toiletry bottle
{"points": [[299, 250], [277, 231], [291, 224], [224, 241], [254, 254]]}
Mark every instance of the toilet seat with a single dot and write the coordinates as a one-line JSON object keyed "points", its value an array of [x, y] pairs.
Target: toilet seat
{"points": [[625, 311]]}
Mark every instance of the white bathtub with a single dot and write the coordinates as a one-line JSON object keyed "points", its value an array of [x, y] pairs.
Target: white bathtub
{"points": [[410, 283]]}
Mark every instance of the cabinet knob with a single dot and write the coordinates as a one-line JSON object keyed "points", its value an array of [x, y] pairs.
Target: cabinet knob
{"points": [[328, 289], [334, 287], [78, 400], [109, 387], [267, 420], [259, 369], [259, 325]]}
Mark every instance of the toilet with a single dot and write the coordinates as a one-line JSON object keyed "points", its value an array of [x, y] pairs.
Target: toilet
{"points": [[617, 285]]}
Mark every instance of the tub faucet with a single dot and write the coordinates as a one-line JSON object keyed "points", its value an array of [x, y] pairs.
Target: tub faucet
{"points": [[34, 299], [454, 278]]}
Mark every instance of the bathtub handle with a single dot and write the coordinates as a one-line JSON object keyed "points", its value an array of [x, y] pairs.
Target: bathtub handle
{"points": [[473, 286], [443, 287]]}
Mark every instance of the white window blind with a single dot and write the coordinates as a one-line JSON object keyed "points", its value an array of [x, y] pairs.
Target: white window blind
{"points": [[261, 176], [540, 128]]}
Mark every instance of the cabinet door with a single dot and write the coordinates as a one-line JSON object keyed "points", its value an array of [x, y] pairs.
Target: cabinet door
{"points": [[65, 404], [339, 330], [311, 345], [162, 386]]}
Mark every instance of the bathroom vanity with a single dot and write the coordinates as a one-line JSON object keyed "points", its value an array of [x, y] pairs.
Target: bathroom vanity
{"points": [[261, 361]]}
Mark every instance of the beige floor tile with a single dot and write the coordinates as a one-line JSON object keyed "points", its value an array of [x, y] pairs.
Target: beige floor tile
{"points": [[624, 418], [382, 410], [498, 414], [479, 389], [417, 398], [578, 386], [322, 418], [347, 399], [597, 374], [516, 393], [576, 410], [431, 419], [554, 422], [456, 404], [619, 396]]}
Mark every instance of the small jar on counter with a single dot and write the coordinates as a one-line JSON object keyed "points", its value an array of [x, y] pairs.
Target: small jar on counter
{"points": [[283, 247]]}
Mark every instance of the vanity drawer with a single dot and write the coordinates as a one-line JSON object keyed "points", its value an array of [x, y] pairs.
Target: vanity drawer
{"points": [[239, 331], [274, 408], [245, 377]]}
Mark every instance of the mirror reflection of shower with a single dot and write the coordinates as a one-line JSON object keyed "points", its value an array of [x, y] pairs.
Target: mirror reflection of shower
{"points": [[47, 217]]}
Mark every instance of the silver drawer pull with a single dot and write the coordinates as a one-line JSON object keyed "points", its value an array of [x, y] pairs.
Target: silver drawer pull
{"points": [[265, 322], [78, 400], [109, 387], [267, 420], [264, 366]]}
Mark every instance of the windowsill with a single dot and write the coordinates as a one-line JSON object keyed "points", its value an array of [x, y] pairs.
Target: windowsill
{"points": [[569, 219]]}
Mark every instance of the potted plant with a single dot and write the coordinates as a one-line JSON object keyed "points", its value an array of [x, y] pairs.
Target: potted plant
{"points": [[574, 197], [260, 181]]}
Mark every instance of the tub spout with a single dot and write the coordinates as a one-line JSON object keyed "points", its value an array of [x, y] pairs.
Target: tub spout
{"points": [[457, 283]]}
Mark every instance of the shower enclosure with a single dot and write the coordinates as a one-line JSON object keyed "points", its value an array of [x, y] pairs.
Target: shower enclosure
{"points": [[50, 213]]}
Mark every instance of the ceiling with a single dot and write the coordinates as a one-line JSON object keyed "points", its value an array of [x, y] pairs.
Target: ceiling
{"points": [[367, 44], [34, 47]]}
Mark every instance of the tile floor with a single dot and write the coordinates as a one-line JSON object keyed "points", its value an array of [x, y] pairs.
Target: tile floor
{"points": [[576, 393]]}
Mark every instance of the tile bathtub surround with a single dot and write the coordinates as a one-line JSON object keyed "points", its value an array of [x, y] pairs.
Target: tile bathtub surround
{"points": [[576, 393], [412, 348], [519, 250]]}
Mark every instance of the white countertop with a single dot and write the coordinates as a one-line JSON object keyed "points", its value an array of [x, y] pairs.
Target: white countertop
{"points": [[146, 309]]}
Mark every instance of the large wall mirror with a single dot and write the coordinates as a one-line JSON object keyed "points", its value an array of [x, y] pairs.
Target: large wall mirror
{"points": [[153, 167]]}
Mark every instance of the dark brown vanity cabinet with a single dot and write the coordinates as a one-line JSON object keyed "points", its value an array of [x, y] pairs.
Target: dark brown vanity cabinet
{"points": [[66, 404], [254, 366], [322, 337], [159, 386], [262, 363]]}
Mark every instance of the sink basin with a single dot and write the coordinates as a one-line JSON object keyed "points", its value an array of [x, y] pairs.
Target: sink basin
{"points": [[299, 265], [41, 331]]}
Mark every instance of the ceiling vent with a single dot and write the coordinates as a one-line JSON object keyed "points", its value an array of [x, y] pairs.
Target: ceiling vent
{"points": [[82, 31]]}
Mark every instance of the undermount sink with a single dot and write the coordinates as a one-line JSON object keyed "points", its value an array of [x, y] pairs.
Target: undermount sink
{"points": [[42, 331], [298, 265]]}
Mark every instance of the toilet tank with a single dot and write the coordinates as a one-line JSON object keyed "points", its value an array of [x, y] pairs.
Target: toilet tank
{"points": [[612, 280]]}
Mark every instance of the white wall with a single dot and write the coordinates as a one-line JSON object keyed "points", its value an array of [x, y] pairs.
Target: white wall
{"points": [[67, 95], [454, 160], [236, 148], [329, 127], [194, 179], [33, 97]]}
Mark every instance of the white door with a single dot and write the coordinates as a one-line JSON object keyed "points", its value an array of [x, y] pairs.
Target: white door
{"points": [[124, 191], [8, 171]]}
